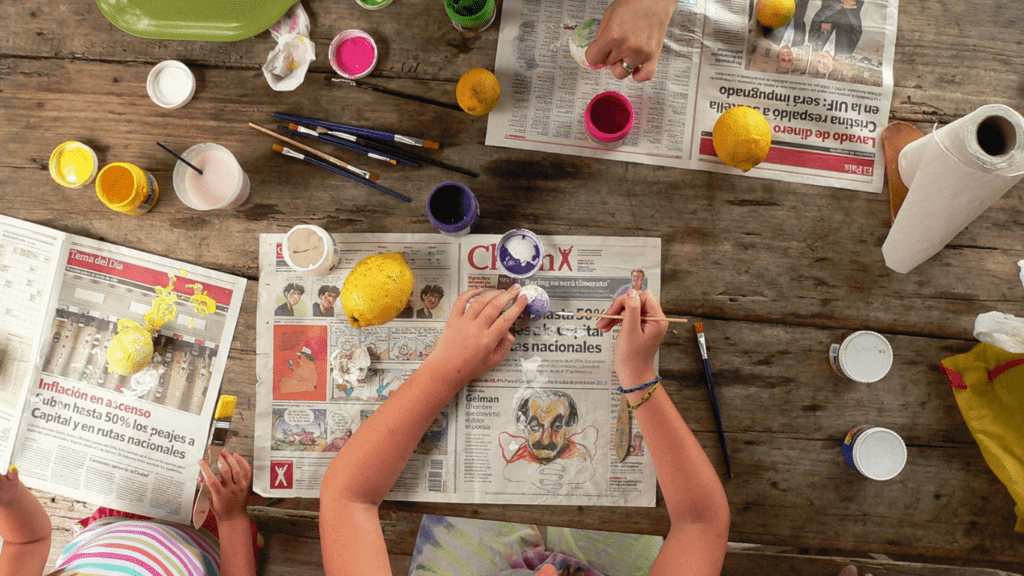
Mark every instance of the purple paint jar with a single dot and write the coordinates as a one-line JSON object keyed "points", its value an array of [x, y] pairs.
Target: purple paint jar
{"points": [[520, 253], [453, 209], [609, 118]]}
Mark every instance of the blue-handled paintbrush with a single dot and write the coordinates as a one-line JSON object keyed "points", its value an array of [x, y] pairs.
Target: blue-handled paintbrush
{"points": [[326, 166], [699, 328]]}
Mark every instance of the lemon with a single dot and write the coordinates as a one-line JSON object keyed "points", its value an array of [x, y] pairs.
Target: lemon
{"points": [[376, 290], [478, 91], [775, 13], [742, 137]]}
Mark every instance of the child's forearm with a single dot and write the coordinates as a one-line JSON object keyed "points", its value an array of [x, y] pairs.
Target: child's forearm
{"points": [[236, 553], [24, 520]]}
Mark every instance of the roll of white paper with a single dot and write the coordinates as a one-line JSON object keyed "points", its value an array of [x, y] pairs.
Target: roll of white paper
{"points": [[953, 175]]}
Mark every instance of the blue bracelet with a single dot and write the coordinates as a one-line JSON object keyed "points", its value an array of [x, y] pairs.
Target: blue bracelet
{"points": [[640, 387]]}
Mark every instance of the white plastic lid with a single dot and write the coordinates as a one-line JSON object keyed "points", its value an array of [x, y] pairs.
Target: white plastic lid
{"points": [[865, 356], [879, 453], [171, 84]]}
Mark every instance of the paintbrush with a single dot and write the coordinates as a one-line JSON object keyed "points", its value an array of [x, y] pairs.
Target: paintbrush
{"points": [[221, 425], [176, 155], [366, 132], [325, 137], [359, 172], [619, 317], [701, 342], [326, 166], [403, 156], [390, 92]]}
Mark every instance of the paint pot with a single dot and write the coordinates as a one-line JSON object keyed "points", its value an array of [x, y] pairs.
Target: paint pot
{"points": [[353, 54], [223, 183], [171, 84], [520, 253], [373, 4], [127, 188], [453, 209], [470, 16], [861, 356], [73, 164], [877, 453], [537, 302], [609, 118], [310, 249]]}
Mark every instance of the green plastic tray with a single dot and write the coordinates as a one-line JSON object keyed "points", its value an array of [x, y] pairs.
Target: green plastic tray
{"points": [[220, 20]]}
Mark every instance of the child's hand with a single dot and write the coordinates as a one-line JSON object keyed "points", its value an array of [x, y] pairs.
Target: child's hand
{"points": [[229, 492], [476, 337], [638, 339], [9, 485]]}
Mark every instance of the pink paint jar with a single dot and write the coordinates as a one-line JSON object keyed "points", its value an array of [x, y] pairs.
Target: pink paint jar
{"points": [[353, 54], [609, 118]]}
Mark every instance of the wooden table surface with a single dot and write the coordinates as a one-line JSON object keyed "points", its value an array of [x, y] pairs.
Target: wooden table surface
{"points": [[774, 270]]}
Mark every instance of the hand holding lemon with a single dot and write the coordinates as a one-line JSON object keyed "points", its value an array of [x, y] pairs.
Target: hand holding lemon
{"points": [[742, 137]]}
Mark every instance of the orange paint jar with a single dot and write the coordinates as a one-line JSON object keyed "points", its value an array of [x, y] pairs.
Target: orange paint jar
{"points": [[127, 188]]}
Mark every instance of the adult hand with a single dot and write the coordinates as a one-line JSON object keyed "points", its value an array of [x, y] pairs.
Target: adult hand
{"points": [[229, 492], [9, 485], [638, 339], [476, 337], [632, 31]]}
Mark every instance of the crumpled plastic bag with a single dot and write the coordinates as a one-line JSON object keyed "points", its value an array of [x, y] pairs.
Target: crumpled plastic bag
{"points": [[1000, 330], [287, 63]]}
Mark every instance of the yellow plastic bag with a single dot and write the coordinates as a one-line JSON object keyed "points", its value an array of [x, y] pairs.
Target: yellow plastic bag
{"points": [[988, 384]]}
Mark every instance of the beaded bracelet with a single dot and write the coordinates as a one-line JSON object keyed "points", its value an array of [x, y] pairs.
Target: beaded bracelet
{"points": [[632, 407], [641, 387]]}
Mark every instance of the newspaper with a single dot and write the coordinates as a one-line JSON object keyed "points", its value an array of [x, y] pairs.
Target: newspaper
{"points": [[75, 429], [494, 442], [824, 83]]}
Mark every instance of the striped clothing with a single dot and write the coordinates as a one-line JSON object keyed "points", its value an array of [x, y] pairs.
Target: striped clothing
{"points": [[119, 546]]}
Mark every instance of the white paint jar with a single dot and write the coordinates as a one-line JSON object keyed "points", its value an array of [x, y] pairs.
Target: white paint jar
{"points": [[861, 356]]}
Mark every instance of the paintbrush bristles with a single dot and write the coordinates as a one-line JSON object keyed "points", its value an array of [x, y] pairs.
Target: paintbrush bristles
{"points": [[698, 327], [431, 144]]}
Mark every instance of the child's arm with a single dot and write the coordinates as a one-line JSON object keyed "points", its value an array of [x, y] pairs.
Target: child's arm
{"points": [[228, 495], [24, 527], [475, 339], [696, 502]]}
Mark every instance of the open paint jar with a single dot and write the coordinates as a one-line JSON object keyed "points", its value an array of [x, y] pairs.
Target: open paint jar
{"points": [[453, 209], [877, 453], [223, 183], [73, 164], [609, 118], [373, 4], [127, 188], [470, 16], [310, 249], [520, 253], [861, 356], [353, 54], [171, 84]]}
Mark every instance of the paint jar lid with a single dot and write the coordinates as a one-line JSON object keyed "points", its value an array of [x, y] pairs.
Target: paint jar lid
{"points": [[373, 4], [865, 356], [310, 249], [171, 84], [353, 54], [73, 164], [879, 453], [520, 253]]}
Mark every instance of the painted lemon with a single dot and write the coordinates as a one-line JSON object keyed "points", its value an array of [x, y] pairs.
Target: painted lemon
{"points": [[131, 348], [478, 91], [742, 137], [376, 290], [775, 13]]}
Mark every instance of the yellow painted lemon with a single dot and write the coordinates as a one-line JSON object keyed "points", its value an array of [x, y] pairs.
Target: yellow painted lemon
{"points": [[131, 348], [478, 91], [742, 137], [775, 13], [376, 290]]}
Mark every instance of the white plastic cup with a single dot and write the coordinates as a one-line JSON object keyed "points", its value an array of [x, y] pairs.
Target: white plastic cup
{"points": [[861, 356], [222, 185], [877, 453], [310, 250]]}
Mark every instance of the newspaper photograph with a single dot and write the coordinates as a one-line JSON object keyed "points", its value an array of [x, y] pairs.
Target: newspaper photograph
{"points": [[824, 83], [130, 442], [536, 429]]}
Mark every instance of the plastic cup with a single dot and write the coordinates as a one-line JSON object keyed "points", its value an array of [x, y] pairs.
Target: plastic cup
{"points": [[877, 453], [609, 118], [453, 209], [353, 54], [222, 185], [310, 249]]}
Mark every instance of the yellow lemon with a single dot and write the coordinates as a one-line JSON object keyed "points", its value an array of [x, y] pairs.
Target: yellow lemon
{"points": [[131, 348], [478, 91], [775, 13], [742, 137], [376, 290]]}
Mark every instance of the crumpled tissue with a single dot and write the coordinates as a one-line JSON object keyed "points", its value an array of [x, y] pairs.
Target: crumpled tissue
{"points": [[287, 63], [1000, 330]]}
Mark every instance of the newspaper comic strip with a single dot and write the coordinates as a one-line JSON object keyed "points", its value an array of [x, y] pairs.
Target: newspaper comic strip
{"points": [[824, 82], [537, 429], [130, 442]]}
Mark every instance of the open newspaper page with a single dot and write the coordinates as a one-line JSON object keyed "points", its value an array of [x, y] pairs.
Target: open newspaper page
{"points": [[126, 442], [311, 395], [28, 264], [824, 82]]}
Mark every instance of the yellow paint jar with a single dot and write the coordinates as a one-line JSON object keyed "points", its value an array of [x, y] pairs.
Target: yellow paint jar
{"points": [[127, 188], [73, 164]]}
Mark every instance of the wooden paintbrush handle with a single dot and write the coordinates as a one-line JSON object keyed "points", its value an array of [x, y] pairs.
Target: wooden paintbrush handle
{"points": [[614, 317]]}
